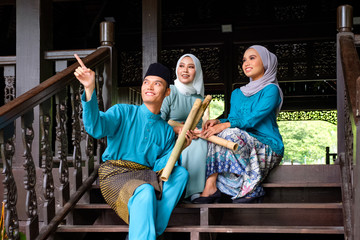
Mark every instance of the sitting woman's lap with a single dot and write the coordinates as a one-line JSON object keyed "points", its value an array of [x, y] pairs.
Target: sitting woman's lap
{"points": [[240, 171]]}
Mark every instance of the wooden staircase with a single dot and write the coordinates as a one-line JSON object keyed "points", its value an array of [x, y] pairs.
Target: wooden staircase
{"points": [[302, 202]]}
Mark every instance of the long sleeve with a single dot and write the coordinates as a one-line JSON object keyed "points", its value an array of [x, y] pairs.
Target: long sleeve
{"points": [[97, 123], [261, 108], [256, 115]]}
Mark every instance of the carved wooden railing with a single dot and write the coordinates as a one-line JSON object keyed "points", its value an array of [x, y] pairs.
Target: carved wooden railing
{"points": [[348, 92], [58, 99]]}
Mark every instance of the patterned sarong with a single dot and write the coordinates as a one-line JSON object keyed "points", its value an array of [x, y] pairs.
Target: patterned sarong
{"points": [[118, 181], [240, 171]]}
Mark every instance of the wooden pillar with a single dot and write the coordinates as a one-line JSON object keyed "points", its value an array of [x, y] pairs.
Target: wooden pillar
{"points": [[33, 37], [343, 27], [107, 39], [350, 210], [151, 32]]}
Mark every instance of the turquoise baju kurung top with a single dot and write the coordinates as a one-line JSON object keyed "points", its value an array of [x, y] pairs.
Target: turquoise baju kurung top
{"points": [[177, 107], [133, 133], [257, 115]]}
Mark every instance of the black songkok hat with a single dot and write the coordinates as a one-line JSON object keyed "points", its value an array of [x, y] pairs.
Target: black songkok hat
{"points": [[157, 69]]}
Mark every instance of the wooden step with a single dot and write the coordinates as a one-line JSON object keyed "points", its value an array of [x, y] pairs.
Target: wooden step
{"points": [[290, 192], [287, 185], [301, 176], [212, 229], [292, 184], [304, 174], [301, 185], [231, 205], [301, 214]]}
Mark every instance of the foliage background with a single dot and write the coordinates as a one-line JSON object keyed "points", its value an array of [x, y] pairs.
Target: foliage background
{"points": [[306, 141]]}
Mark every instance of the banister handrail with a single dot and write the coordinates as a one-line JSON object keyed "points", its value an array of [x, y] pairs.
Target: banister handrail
{"points": [[35, 96], [351, 70]]}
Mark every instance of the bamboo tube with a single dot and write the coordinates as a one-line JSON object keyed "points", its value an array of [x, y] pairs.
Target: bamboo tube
{"points": [[201, 111], [214, 139], [222, 142], [175, 154]]}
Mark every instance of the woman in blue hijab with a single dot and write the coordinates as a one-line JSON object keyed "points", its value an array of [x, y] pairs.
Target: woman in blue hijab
{"points": [[251, 124]]}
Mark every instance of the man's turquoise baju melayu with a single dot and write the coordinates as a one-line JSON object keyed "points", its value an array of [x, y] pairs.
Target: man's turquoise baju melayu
{"points": [[135, 134]]}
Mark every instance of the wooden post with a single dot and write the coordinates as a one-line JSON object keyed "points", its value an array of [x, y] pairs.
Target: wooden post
{"points": [[327, 159], [107, 39], [33, 37], [344, 26], [151, 32], [344, 18]]}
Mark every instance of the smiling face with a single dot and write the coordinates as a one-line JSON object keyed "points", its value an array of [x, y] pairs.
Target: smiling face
{"points": [[153, 90], [252, 64], [186, 70]]}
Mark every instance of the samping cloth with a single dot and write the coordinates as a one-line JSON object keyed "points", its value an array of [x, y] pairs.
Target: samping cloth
{"points": [[118, 181]]}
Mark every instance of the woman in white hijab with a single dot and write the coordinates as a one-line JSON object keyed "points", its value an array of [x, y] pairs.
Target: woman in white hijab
{"points": [[187, 87], [252, 124]]}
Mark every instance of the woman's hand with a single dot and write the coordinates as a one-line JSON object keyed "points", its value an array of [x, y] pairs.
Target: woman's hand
{"points": [[210, 123], [189, 137], [214, 129], [195, 133], [86, 77]]}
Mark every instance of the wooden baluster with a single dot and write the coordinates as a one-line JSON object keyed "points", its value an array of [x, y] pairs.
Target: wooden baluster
{"points": [[90, 152], [7, 146], [61, 139], [47, 163], [87, 139], [101, 143], [32, 224], [76, 134]]}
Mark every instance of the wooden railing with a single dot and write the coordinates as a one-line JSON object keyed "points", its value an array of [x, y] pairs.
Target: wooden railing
{"points": [[348, 92], [52, 190]]}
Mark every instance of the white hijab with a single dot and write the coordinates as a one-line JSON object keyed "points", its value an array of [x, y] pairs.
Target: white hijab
{"points": [[197, 85], [270, 65]]}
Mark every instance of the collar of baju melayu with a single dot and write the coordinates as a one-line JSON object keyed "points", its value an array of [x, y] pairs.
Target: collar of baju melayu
{"points": [[148, 113]]}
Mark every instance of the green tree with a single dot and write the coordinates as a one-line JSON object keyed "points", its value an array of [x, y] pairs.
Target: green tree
{"points": [[216, 108], [306, 141]]}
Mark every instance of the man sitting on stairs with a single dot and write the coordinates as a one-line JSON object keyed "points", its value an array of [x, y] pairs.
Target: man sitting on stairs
{"points": [[139, 143]]}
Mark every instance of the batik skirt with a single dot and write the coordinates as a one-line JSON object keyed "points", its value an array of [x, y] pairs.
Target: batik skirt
{"points": [[240, 172]]}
